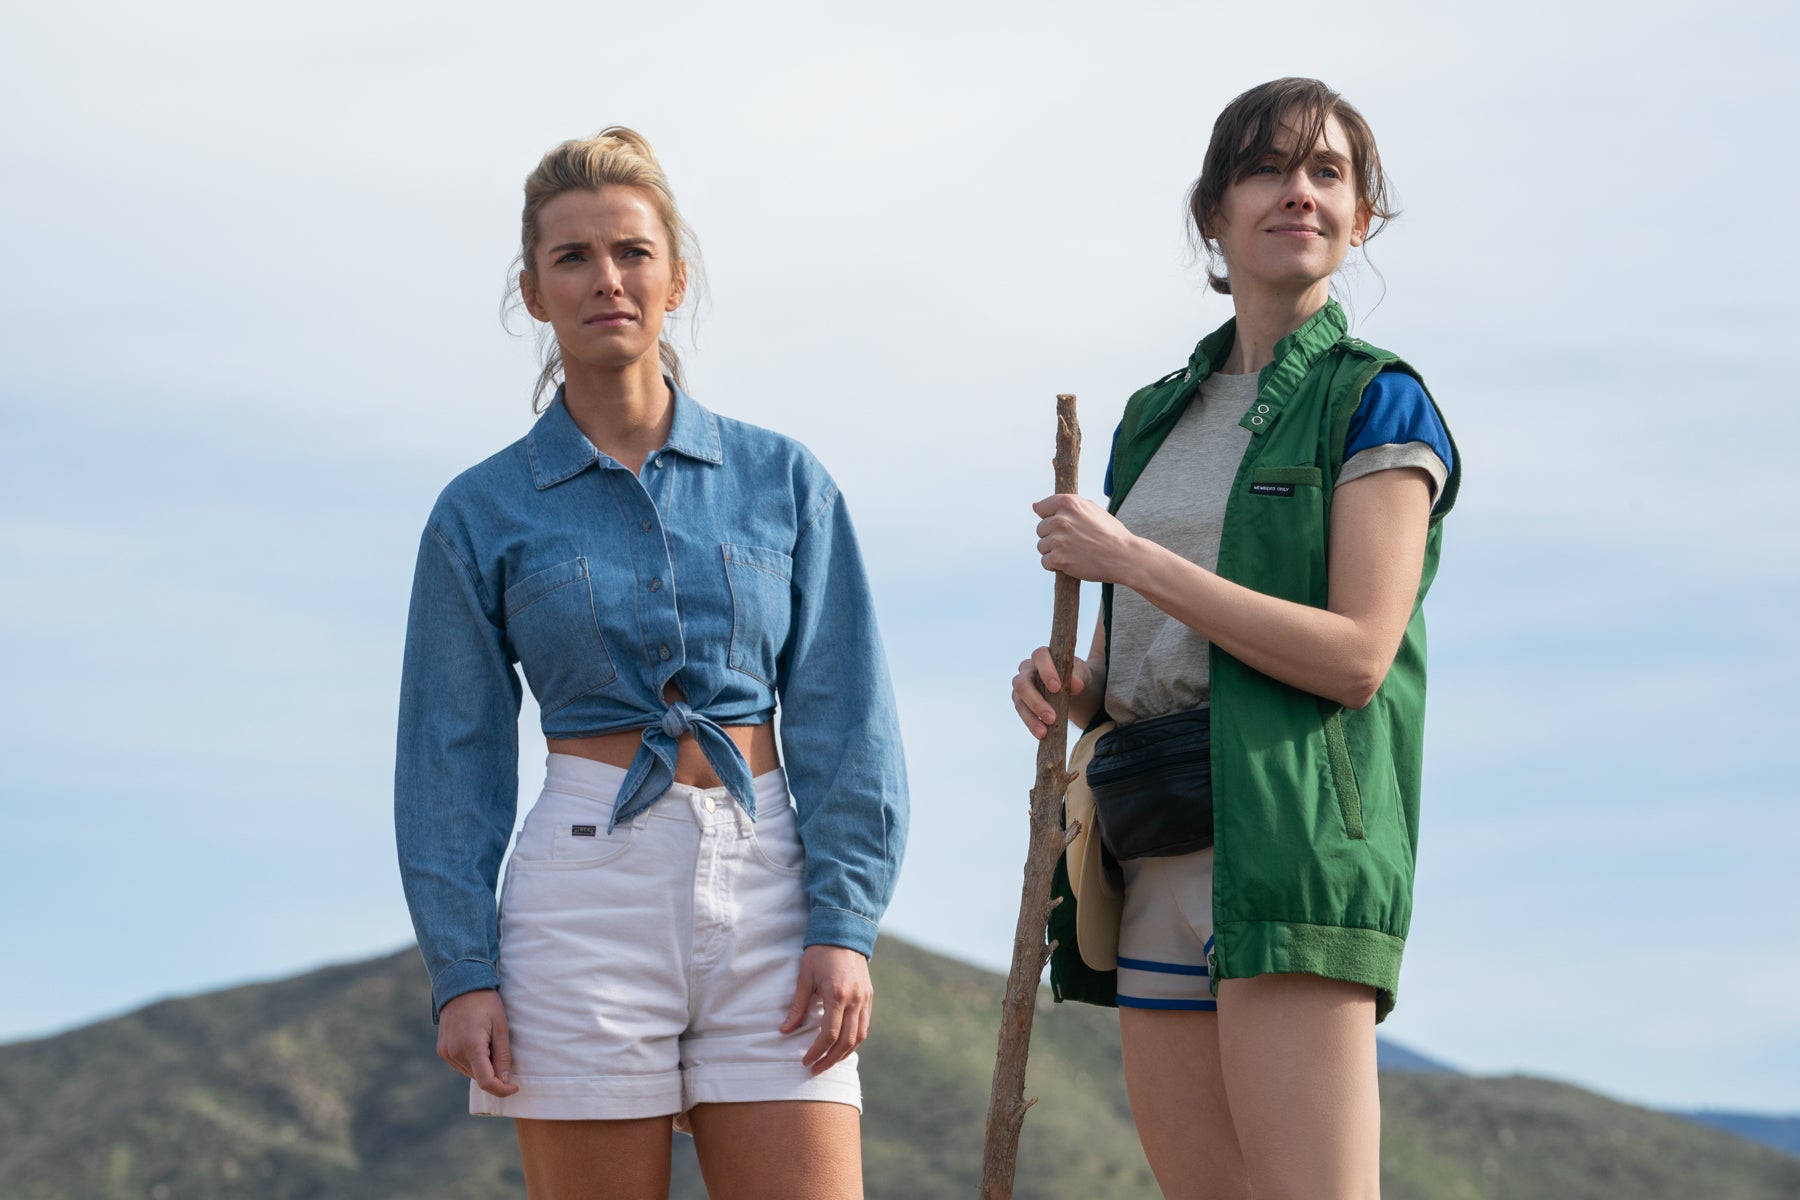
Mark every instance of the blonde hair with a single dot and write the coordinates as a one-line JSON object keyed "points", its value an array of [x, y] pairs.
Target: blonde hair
{"points": [[614, 157]]}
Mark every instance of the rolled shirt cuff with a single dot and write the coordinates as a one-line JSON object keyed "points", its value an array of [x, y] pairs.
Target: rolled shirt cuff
{"points": [[463, 975], [841, 927]]}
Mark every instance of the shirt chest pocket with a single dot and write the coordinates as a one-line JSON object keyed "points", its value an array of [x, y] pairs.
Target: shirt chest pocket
{"points": [[762, 605], [551, 622]]}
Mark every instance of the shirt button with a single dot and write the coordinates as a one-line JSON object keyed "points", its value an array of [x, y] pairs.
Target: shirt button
{"points": [[664, 651], [645, 526], [712, 805], [656, 585], [657, 461]]}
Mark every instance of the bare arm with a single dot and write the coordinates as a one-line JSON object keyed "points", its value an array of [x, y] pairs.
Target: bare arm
{"points": [[1342, 651]]}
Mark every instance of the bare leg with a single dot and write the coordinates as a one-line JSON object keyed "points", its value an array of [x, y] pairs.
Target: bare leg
{"points": [[596, 1160], [1297, 1054], [1178, 1102], [779, 1150]]}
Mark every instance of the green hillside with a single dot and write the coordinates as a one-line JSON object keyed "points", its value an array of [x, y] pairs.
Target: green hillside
{"points": [[325, 1087]]}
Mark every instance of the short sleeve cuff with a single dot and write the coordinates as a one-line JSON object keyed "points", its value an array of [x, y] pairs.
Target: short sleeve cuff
{"points": [[1387, 458], [841, 927], [463, 975]]}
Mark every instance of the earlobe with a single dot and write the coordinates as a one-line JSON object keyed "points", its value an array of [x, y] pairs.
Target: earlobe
{"points": [[528, 294]]}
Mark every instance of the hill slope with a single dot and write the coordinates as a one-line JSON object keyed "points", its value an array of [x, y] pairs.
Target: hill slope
{"points": [[326, 1086]]}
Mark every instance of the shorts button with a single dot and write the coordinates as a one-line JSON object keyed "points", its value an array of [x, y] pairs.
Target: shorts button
{"points": [[712, 805]]}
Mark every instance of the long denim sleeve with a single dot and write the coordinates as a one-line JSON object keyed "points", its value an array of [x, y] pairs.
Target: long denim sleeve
{"points": [[456, 776], [840, 737]]}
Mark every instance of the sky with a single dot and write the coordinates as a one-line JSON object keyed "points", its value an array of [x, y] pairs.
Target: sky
{"points": [[250, 324]]}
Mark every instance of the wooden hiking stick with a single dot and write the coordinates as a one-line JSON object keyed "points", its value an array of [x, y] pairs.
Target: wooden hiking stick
{"points": [[1007, 1105]]}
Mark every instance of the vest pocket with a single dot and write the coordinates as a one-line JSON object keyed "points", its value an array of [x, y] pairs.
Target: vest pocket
{"points": [[1343, 774], [1281, 481]]}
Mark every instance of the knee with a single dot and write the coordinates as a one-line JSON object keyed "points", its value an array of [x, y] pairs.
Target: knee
{"points": [[1275, 1175]]}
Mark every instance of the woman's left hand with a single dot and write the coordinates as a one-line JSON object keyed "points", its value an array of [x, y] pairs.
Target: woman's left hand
{"points": [[1080, 538], [839, 979]]}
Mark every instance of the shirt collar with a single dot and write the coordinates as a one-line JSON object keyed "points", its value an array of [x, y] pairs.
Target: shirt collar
{"points": [[558, 450]]}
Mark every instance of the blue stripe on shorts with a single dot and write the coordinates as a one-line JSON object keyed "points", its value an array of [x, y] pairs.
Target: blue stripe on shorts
{"points": [[1171, 1005], [1161, 968]]}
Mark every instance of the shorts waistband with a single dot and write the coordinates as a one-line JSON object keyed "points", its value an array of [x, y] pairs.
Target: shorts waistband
{"points": [[572, 775]]}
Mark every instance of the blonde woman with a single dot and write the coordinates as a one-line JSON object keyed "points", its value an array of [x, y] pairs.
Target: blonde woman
{"points": [[690, 906]]}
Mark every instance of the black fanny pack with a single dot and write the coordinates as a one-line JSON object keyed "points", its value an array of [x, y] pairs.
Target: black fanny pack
{"points": [[1152, 786]]}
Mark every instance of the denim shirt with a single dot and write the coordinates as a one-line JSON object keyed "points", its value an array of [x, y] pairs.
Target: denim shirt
{"points": [[728, 566]]}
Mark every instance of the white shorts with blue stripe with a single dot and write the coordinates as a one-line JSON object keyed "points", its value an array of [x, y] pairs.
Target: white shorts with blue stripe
{"points": [[1166, 932]]}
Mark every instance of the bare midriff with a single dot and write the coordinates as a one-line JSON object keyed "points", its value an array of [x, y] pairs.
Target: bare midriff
{"points": [[757, 742]]}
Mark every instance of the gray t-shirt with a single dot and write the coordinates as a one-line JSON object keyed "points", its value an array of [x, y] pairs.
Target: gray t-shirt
{"points": [[1155, 664]]}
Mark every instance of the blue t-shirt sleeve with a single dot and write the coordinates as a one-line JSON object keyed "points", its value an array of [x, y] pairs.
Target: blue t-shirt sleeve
{"points": [[1395, 410]]}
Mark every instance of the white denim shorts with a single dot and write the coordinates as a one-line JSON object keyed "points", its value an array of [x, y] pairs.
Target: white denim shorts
{"points": [[650, 970], [1166, 932]]}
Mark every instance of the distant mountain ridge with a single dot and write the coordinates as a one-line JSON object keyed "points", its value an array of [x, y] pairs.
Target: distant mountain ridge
{"points": [[325, 1087], [1779, 1132], [1392, 1056], [1783, 1133]]}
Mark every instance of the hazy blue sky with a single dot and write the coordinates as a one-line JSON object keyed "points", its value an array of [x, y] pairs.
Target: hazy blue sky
{"points": [[249, 328]]}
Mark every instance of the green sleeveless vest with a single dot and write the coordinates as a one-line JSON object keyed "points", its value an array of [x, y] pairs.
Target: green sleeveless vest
{"points": [[1316, 806]]}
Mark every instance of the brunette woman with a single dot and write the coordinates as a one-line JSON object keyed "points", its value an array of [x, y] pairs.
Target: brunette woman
{"points": [[1273, 525]]}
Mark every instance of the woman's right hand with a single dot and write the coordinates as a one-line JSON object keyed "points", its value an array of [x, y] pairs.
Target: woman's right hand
{"points": [[1037, 678], [472, 1038]]}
